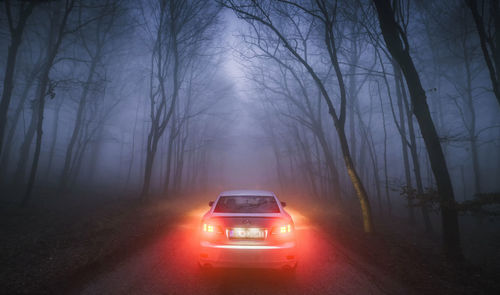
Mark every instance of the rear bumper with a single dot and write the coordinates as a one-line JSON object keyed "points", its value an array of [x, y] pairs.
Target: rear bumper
{"points": [[248, 256]]}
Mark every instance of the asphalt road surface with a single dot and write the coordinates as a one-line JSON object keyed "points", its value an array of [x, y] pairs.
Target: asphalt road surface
{"points": [[169, 266]]}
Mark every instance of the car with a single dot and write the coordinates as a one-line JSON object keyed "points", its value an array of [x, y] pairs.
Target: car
{"points": [[247, 229]]}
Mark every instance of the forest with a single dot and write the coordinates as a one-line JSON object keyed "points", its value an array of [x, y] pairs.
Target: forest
{"points": [[386, 112]]}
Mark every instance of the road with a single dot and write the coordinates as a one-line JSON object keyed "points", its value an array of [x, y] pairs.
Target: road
{"points": [[168, 266]]}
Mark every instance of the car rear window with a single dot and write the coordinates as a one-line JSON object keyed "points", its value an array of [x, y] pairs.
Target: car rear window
{"points": [[247, 204]]}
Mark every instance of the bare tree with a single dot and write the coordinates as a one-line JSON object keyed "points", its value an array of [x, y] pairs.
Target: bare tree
{"points": [[179, 32], [468, 69], [55, 129], [94, 38], [386, 172], [30, 79], [263, 13], [302, 106], [488, 29], [412, 141], [397, 44], [99, 112], [57, 32], [16, 36]]}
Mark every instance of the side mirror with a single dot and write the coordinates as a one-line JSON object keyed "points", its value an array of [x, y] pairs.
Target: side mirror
{"points": [[283, 204], [210, 203]]}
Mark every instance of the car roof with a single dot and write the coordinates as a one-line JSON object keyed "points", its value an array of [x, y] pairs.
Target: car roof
{"points": [[247, 193]]}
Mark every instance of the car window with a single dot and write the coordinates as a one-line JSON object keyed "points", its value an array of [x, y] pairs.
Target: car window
{"points": [[247, 204]]}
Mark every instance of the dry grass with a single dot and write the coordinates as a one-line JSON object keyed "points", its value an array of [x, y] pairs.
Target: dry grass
{"points": [[42, 249], [407, 254]]}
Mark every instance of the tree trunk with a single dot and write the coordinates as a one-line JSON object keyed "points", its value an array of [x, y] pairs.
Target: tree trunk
{"points": [[158, 127], [492, 61], [44, 81], [65, 174], [5, 156], [386, 182], [94, 158], [372, 153], [55, 40], [24, 150], [16, 34], [322, 175], [55, 128], [179, 167], [131, 163], [338, 119], [175, 165], [150, 155], [330, 163], [277, 158], [78, 160], [413, 151], [168, 166], [306, 154], [351, 105], [393, 39], [469, 102], [402, 124], [358, 185]]}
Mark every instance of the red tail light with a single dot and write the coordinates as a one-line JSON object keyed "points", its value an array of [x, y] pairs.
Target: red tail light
{"points": [[210, 227], [283, 229]]}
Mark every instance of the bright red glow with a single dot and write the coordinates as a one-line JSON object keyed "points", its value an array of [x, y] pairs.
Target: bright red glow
{"points": [[254, 247], [179, 250]]}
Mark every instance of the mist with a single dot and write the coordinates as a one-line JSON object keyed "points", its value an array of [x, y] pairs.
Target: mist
{"points": [[389, 112]]}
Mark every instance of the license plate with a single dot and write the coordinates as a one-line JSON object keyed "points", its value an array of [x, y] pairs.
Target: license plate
{"points": [[247, 233]]}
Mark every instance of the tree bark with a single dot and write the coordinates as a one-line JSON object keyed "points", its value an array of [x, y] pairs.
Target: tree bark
{"points": [[413, 152], [55, 40], [393, 36], [65, 174], [338, 119], [469, 102], [55, 127], [158, 127], [307, 161], [5, 156], [488, 44], [16, 34], [386, 174], [44, 81], [131, 163], [365, 131], [402, 124], [148, 169], [24, 150], [166, 187]]}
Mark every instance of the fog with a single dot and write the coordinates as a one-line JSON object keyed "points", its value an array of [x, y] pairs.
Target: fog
{"points": [[163, 99]]}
